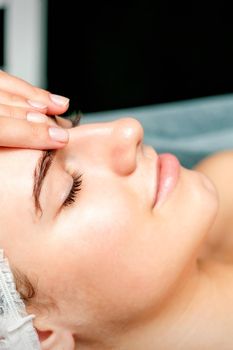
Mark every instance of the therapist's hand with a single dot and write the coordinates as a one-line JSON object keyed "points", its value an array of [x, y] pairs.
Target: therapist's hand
{"points": [[24, 111]]}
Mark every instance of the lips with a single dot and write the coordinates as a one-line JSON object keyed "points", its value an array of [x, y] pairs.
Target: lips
{"points": [[168, 169]]}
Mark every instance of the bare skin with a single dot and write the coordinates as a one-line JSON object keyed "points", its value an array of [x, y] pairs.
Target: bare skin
{"points": [[24, 111], [195, 312], [124, 274], [219, 168], [200, 315]]}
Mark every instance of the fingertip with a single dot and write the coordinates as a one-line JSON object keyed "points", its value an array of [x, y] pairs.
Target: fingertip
{"points": [[58, 134], [59, 100]]}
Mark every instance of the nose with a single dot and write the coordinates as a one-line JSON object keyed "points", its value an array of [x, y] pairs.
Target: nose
{"points": [[115, 144]]}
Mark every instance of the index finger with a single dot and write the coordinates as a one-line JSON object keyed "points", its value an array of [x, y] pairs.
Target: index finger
{"points": [[19, 133], [55, 104]]}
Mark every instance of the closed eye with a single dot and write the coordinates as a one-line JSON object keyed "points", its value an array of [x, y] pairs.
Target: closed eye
{"points": [[76, 187]]}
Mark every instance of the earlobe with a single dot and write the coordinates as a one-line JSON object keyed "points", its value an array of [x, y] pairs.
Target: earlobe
{"points": [[56, 339]]}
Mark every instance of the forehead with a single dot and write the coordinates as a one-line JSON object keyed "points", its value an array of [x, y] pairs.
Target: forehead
{"points": [[11, 158], [16, 201], [17, 169], [16, 179]]}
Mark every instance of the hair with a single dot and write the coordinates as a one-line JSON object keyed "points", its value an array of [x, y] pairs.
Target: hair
{"points": [[75, 118], [24, 286], [28, 291]]}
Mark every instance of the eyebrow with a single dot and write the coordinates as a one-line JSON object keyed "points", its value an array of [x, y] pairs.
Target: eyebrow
{"points": [[41, 170], [43, 165]]}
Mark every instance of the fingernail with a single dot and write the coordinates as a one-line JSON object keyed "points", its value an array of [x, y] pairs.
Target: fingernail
{"points": [[37, 104], [59, 100], [58, 134], [36, 117]]}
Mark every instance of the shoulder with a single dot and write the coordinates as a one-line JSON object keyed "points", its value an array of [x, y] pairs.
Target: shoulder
{"points": [[213, 164], [219, 168]]}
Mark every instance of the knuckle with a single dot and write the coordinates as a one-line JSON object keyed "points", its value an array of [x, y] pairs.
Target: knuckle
{"points": [[11, 113], [39, 92], [4, 111], [16, 113], [19, 113], [37, 132], [14, 99]]}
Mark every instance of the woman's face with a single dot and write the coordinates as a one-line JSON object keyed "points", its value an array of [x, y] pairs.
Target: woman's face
{"points": [[107, 256]]}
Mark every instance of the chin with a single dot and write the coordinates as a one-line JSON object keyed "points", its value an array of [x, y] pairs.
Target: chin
{"points": [[206, 187], [195, 204], [205, 196]]}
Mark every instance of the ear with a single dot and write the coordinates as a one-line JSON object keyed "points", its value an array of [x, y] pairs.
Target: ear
{"points": [[56, 338]]}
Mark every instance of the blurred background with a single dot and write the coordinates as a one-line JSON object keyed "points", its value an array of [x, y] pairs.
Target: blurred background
{"points": [[111, 55]]}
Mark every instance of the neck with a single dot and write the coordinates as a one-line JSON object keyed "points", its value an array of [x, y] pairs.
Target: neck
{"points": [[194, 318]]}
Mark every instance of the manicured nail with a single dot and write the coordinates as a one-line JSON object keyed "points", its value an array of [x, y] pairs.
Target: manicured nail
{"points": [[37, 104], [59, 100], [36, 117], [58, 134]]}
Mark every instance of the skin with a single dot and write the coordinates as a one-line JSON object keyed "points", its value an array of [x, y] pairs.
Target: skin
{"points": [[123, 275], [20, 100]]}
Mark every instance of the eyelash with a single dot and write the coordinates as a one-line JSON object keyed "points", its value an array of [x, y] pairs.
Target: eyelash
{"points": [[76, 187]]}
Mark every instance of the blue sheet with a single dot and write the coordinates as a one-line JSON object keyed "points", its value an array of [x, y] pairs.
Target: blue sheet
{"points": [[190, 129]]}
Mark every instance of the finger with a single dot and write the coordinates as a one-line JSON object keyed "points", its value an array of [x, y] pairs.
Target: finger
{"points": [[20, 133], [32, 116], [12, 100], [55, 104], [50, 120], [17, 112]]}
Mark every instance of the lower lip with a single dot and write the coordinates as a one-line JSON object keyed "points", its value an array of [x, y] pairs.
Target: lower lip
{"points": [[169, 169]]}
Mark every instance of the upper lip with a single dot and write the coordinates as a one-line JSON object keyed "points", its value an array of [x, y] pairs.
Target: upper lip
{"points": [[150, 153], [156, 182]]}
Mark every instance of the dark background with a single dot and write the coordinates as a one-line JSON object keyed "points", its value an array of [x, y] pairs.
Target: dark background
{"points": [[111, 55]]}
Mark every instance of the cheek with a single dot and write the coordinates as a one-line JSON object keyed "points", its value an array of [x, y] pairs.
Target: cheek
{"points": [[105, 246], [96, 230], [127, 255], [111, 248]]}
